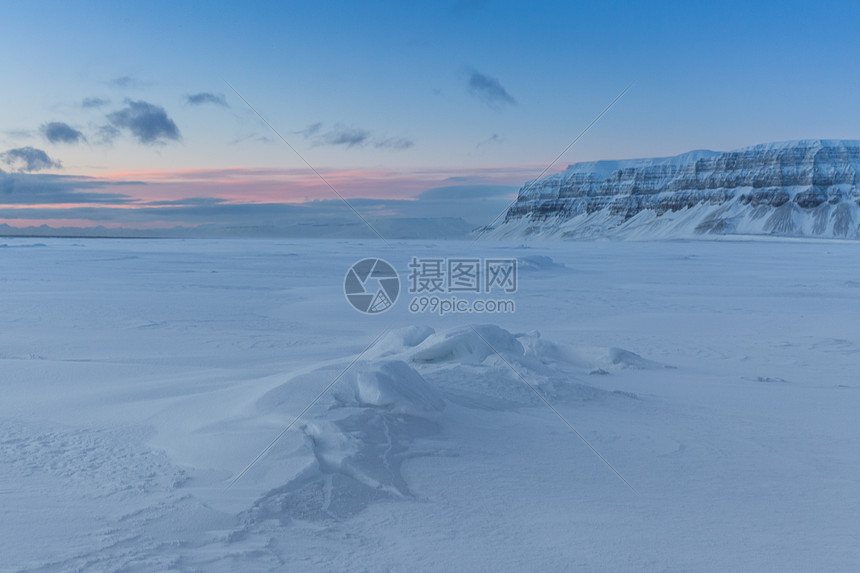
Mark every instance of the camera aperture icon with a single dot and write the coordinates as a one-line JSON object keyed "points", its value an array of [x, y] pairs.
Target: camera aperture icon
{"points": [[371, 286]]}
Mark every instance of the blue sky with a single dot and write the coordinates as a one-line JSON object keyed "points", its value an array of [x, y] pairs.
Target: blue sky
{"points": [[392, 99]]}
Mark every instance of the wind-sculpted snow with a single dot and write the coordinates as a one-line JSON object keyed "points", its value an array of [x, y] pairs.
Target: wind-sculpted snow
{"points": [[466, 345], [359, 445], [386, 411], [800, 188], [391, 385]]}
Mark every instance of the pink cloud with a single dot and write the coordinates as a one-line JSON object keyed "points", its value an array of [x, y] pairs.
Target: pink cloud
{"points": [[266, 185], [84, 223], [239, 185]]}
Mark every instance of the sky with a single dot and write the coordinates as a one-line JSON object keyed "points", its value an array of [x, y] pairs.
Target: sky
{"points": [[122, 114]]}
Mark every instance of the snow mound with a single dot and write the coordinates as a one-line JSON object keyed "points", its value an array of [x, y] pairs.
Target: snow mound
{"points": [[470, 345], [594, 360], [354, 449], [397, 340], [27, 246], [548, 353], [394, 386], [355, 461], [619, 358], [393, 405], [538, 263], [460, 364]]}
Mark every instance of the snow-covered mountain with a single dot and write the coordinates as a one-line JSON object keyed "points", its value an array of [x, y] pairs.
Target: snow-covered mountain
{"points": [[798, 188]]}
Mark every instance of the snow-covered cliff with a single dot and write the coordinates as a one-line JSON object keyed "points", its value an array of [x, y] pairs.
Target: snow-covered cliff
{"points": [[797, 188]]}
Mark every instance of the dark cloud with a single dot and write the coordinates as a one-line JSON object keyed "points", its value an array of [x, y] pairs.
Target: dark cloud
{"points": [[489, 90], [492, 139], [147, 122], [346, 136], [19, 133], [476, 192], [59, 132], [44, 189], [330, 218], [311, 130], [256, 137], [449, 212], [27, 159], [107, 133], [94, 102], [351, 137], [393, 143], [206, 97], [126, 82], [190, 201]]}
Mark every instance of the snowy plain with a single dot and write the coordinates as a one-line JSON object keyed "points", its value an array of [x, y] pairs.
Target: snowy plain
{"points": [[141, 377]]}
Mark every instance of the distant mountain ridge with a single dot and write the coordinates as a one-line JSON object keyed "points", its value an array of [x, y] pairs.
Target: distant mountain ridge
{"points": [[805, 188]]}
